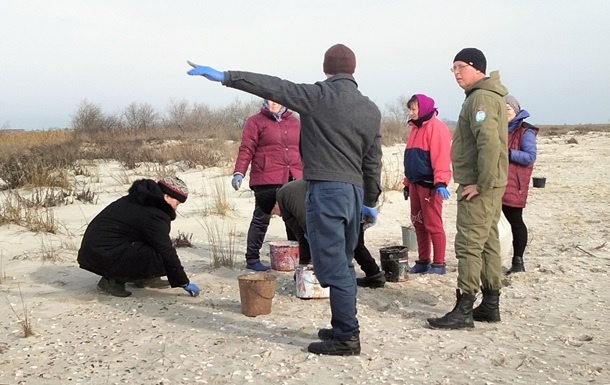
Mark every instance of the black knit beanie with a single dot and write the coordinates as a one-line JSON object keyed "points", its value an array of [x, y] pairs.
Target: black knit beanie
{"points": [[474, 57]]}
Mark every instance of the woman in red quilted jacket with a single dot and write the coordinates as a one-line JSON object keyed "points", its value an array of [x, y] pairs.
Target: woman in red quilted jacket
{"points": [[521, 157], [270, 147]]}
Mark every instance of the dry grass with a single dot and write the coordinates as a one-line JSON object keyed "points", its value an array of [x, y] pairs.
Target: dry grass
{"points": [[48, 252], [25, 321], [2, 271], [222, 243], [219, 203], [27, 139], [18, 210]]}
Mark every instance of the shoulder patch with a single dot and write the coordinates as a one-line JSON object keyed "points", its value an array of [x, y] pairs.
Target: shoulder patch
{"points": [[480, 116]]}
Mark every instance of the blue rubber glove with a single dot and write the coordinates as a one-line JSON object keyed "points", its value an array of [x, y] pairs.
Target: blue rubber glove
{"points": [[405, 192], [192, 289], [207, 72], [369, 217], [236, 181], [442, 191]]}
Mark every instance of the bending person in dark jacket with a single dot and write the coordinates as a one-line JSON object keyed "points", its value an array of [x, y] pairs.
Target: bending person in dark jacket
{"points": [[129, 240], [340, 148], [291, 201]]}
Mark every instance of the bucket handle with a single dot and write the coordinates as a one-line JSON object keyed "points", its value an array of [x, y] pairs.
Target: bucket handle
{"points": [[309, 281]]}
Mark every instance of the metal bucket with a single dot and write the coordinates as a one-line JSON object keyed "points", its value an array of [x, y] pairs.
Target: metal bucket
{"points": [[308, 285], [409, 239], [256, 292], [284, 255]]}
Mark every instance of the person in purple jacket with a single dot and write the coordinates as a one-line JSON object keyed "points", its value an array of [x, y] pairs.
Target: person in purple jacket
{"points": [[270, 147], [521, 157]]}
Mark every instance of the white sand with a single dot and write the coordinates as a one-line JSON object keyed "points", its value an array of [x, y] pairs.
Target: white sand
{"points": [[554, 327]]}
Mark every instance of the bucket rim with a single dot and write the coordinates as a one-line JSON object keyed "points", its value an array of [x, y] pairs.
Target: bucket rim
{"points": [[283, 243], [257, 277]]}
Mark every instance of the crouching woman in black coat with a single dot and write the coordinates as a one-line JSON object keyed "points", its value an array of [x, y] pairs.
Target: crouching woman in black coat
{"points": [[128, 241]]}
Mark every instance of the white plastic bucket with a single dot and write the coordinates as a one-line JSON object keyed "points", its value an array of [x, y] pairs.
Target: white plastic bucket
{"points": [[307, 284]]}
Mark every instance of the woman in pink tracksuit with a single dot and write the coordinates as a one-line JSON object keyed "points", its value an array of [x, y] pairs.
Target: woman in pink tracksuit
{"points": [[427, 174]]}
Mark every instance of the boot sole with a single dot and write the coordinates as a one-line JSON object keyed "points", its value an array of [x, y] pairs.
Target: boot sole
{"points": [[450, 327], [486, 320]]}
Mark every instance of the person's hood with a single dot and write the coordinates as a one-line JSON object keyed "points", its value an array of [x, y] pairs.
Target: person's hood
{"points": [[522, 115], [146, 192], [490, 83]]}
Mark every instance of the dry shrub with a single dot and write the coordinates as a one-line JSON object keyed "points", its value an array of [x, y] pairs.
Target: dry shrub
{"points": [[18, 210], [49, 197], [85, 195], [44, 164], [182, 240]]}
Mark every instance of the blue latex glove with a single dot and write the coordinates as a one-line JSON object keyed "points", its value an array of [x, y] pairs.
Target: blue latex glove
{"points": [[442, 191], [207, 72], [192, 289], [369, 217], [405, 192], [236, 181]]}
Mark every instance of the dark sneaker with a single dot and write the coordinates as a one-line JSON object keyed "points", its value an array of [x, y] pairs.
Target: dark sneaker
{"points": [[436, 268], [374, 281], [113, 287], [325, 334], [335, 347], [256, 265], [153, 283], [420, 267]]}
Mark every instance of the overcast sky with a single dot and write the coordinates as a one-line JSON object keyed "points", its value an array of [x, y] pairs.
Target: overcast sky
{"points": [[552, 55]]}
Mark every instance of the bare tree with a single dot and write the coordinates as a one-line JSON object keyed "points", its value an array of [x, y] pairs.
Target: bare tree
{"points": [[140, 117]]}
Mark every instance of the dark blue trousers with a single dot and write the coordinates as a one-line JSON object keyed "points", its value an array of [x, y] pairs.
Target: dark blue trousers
{"points": [[333, 222]]}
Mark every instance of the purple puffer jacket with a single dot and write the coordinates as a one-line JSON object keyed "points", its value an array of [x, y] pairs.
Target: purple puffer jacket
{"points": [[271, 148], [521, 156]]}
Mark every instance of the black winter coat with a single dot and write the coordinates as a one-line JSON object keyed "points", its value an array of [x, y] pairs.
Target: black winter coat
{"points": [[129, 239]]}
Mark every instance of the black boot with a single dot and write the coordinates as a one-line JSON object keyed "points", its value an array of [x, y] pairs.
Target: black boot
{"points": [[153, 283], [489, 309], [334, 347], [113, 286], [377, 280], [517, 266], [458, 318]]}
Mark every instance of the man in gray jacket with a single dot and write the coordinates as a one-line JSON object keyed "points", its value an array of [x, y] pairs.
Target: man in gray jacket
{"points": [[340, 148]]}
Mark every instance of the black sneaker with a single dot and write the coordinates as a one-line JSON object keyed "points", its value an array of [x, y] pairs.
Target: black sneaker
{"points": [[374, 281], [335, 347], [113, 287], [153, 283]]}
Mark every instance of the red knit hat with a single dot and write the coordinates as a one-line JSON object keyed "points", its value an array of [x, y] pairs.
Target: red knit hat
{"points": [[339, 59], [174, 187]]}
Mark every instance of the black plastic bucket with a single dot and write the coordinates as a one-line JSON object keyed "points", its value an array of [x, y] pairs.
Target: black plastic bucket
{"points": [[395, 262], [539, 182]]}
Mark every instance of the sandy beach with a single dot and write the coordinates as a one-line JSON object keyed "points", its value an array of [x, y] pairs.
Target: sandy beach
{"points": [[554, 327]]}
